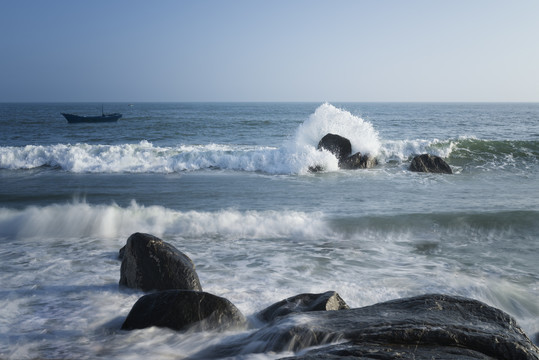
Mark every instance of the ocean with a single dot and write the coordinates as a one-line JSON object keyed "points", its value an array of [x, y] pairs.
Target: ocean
{"points": [[229, 185]]}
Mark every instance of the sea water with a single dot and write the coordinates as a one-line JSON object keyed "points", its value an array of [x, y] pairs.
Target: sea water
{"points": [[229, 185]]}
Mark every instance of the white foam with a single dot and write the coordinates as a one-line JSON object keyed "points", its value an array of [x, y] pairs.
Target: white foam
{"points": [[80, 219], [292, 157], [329, 119], [402, 150]]}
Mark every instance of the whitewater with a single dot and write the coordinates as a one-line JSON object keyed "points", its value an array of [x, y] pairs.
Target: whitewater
{"points": [[229, 185]]}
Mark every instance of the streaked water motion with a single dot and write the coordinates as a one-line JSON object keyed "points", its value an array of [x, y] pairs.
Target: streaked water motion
{"points": [[229, 185]]}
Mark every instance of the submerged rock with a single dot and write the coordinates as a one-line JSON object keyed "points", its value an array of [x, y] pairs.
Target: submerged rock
{"points": [[421, 327], [183, 310], [327, 301], [430, 163], [149, 263]]}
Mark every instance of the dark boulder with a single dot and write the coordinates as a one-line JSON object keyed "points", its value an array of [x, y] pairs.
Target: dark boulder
{"points": [[430, 163], [337, 145], [183, 310], [149, 263], [358, 161], [302, 303], [422, 327], [342, 149]]}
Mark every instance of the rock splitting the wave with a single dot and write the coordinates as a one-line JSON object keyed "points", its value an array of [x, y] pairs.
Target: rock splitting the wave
{"points": [[149, 263], [327, 301], [184, 310], [337, 145], [430, 163], [341, 147], [422, 327]]}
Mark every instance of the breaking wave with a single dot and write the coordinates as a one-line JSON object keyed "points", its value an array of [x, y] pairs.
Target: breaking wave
{"points": [[295, 156], [80, 219]]}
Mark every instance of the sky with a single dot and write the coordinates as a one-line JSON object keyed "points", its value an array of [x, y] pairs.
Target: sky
{"points": [[291, 50]]}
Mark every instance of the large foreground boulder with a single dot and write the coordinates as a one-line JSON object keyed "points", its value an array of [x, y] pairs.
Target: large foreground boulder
{"points": [[183, 310], [430, 163], [149, 263], [327, 301], [422, 327]]}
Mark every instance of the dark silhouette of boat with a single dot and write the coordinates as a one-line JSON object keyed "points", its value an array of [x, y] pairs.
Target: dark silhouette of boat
{"points": [[71, 118]]}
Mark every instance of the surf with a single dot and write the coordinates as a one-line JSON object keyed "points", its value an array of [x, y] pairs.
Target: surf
{"points": [[294, 156], [80, 219]]}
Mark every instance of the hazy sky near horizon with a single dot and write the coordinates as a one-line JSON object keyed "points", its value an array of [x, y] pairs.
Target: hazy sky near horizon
{"points": [[129, 50]]}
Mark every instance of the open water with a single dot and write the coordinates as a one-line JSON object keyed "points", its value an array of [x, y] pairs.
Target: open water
{"points": [[228, 184]]}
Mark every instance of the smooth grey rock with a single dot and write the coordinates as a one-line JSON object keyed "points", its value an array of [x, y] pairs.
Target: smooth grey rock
{"points": [[149, 263], [327, 301], [430, 163], [183, 310], [424, 327]]}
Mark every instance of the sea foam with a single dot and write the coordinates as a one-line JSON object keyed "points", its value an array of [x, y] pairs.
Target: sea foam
{"points": [[295, 156], [80, 219]]}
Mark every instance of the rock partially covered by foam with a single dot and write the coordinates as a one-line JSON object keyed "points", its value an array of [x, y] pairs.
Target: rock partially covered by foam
{"points": [[421, 327], [342, 149], [358, 161], [430, 163], [337, 145], [149, 263], [327, 301], [184, 310]]}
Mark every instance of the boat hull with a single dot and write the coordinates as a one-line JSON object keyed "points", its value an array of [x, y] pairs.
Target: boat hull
{"points": [[71, 118]]}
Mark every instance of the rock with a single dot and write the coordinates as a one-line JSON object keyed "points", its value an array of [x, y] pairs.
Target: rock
{"points": [[337, 145], [183, 310], [421, 327], [430, 163], [379, 352], [302, 303], [121, 253], [342, 149], [358, 161], [149, 263]]}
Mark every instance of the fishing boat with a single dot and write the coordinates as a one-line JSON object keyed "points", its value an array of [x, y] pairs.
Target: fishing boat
{"points": [[71, 118]]}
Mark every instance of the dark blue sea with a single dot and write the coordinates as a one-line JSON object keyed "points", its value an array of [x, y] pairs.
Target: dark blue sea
{"points": [[229, 185]]}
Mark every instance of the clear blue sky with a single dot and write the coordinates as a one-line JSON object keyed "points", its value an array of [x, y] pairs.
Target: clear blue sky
{"points": [[273, 50]]}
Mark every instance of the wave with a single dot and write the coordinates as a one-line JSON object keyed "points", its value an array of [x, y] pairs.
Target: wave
{"points": [[524, 221], [295, 156], [80, 219], [467, 152]]}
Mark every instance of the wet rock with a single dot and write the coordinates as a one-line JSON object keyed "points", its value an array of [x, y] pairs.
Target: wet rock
{"points": [[430, 163], [183, 310], [149, 263], [358, 161], [337, 145], [342, 149], [380, 352], [421, 327], [302, 303]]}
